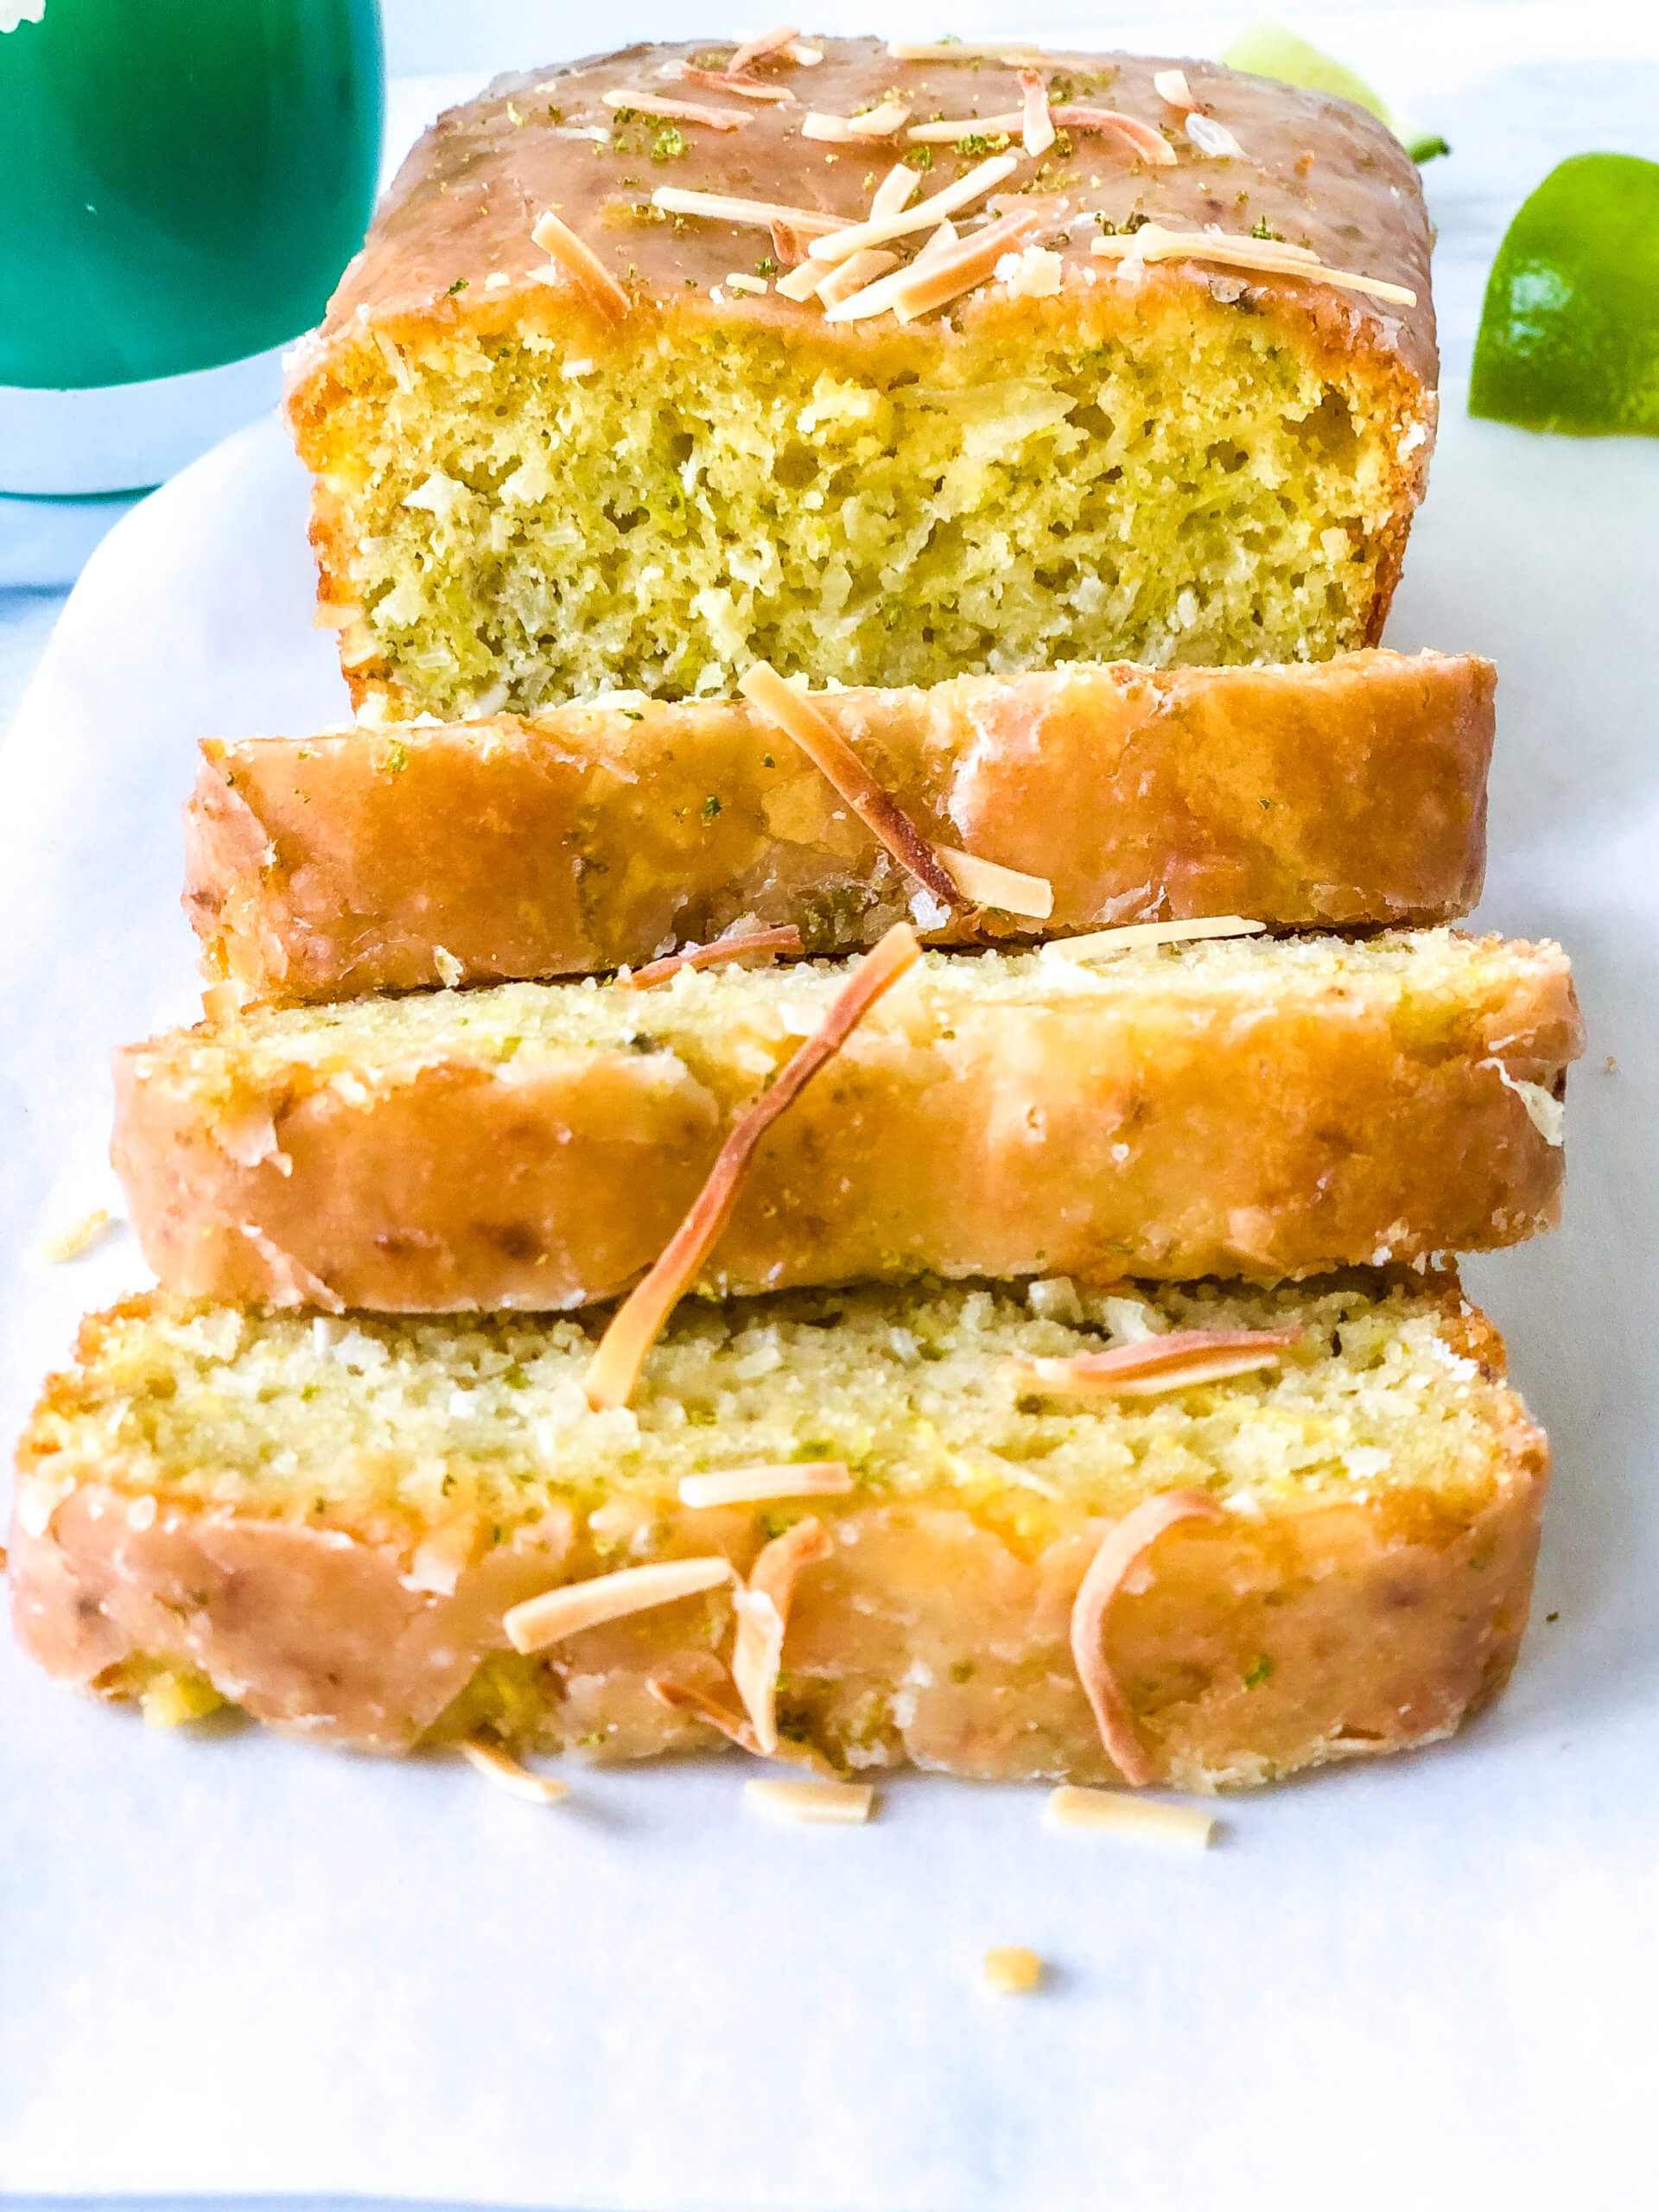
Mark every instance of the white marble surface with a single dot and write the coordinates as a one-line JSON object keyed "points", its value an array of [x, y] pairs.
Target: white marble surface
{"points": [[238, 1965]]}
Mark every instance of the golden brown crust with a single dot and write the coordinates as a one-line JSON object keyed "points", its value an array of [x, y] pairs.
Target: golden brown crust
{"points": [[1318, 1631], [586, 838], [957, 1134]]}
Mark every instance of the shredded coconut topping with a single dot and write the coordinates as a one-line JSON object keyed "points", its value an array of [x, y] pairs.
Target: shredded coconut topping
{"points": [[1120, 1551], [1113, 1812], [576, 1606], [1097, 944], [1213, 138], [780, 41], [502, 1769], [763, 1621], [760, 1485], [786, 939], [851, 276], [1012, 1970], [1173, 1362], [711, 118], [918, 288], [844, 1804], [896, 190], [857, 129], [723, 207], [984, 177], [1036, 124], [805, 725], [579, 260], [742, 88], [80, 1236], [615, 1366], [983, 883], [1150, 144], [1263, 257], [1172, 87]]}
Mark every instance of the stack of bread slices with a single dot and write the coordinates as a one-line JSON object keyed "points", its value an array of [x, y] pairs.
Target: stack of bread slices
{"points": [[874, 1225]]}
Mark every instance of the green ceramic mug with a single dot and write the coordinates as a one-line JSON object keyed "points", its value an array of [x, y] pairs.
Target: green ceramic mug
{"points": [[185, 182]]}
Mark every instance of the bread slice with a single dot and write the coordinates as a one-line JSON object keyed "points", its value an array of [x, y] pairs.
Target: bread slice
{"points": [[326, 1522], [626, 454], [589, 838], [1255, 1106]]}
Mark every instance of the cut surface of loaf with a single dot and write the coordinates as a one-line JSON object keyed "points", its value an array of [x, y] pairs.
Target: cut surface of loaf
{"points": [[326, 1523], [1252, 1107], [361, 859], [532, 483]]}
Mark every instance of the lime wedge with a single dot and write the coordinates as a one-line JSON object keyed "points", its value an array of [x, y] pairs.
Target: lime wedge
{"points": [[1569, 334], [1270, 50]]}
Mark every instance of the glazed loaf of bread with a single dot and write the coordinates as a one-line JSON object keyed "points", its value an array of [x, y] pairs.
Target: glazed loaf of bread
{"points": [[352, 1529], [591, 837], [1169, 394], [1253, 1107]]}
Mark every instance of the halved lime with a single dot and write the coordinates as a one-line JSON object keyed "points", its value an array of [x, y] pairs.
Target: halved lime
{"points": [[1569, 335], [1270, 50]]}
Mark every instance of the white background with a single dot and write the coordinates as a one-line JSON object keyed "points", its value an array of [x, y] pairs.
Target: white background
{"points": [[234, 1964]]}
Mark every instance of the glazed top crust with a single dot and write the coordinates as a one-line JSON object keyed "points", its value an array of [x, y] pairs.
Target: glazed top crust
{"points": [[452, 240]]}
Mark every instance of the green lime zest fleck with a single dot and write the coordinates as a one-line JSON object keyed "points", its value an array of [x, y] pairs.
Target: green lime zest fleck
{"points": [[1261, 1668]]}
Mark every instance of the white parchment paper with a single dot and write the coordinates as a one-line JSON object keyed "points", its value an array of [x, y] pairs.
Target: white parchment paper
{"points": [[229, 1963]]}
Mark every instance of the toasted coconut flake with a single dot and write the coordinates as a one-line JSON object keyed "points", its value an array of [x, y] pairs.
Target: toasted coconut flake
{"points": [[711, 118], [840, 1804], [802, 281], [1036, 124], [849, 277], [80, 1236], [786, 246], [1096, 945], [786, 939], [1150, 144], [502, 1769], [913, 291], [1121, 1549], [1213, 138], [1257, 257], [740, 281], [576, 1606], [757, 49], [615, 1366], [760, 1485], [945, 235], [1172, 87], [984, 177], [723, 207], [1012, 1970], [1114, 1812], [805, 725], [1034, 274], [741, 88], [946, 132], [1011, 50], [682, 1697], [763, 1622], [1546, 1113], [896, 190], [808, 56], [857, 129], [579, 260], [1175, 1361], [983, 883]]}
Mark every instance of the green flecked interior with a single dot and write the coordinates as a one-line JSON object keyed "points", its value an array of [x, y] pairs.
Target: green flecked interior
{"points": [[532, 519]]}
